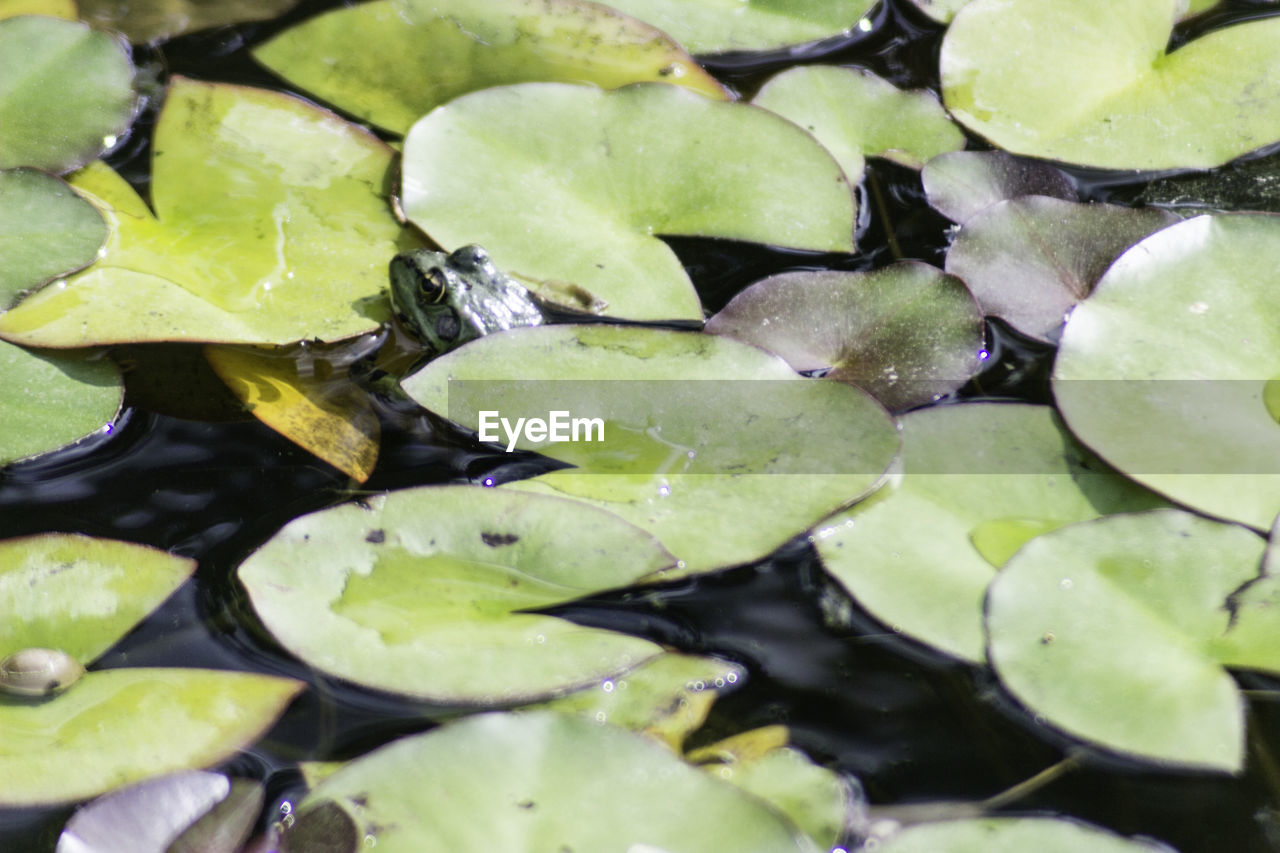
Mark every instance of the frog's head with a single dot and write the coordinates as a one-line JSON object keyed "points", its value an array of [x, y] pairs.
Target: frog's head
{"points": [[447, 300]]}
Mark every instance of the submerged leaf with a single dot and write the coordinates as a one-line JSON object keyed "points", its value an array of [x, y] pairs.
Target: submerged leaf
{"points": [[717, 26], [156, 20], [392, 61], [45, 230], [1119, 100], [961, 183], [66, 92], [271, 226], [907, 333], [50, 400], [571, 183]]}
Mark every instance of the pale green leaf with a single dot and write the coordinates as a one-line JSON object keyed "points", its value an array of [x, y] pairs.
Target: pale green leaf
{"points": [[719, 26], [48, 400], [45, 230]]}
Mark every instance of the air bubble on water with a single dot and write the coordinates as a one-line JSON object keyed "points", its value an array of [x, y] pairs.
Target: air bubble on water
{"points": [[719, 682], [601, 717], [488, 482], [732, 678], [983, 355]]}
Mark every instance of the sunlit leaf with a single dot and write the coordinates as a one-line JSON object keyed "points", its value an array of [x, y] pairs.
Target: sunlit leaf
{"points": [[856, 114], [156, 20], [45, 230], [571, 183], [271, 226], [1138, 612], [1012, 835], [423, 592], [53, 8], [66, 92], [48, 400], [1119, 100], [961, 183], [717, 26], [392, 61]]}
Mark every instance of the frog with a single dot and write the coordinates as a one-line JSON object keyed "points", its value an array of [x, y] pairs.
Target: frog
{"points": [[446, 300]]}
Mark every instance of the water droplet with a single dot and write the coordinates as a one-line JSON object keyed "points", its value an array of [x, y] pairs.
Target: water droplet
{"points": [[541, 638], [607, 687], [664, 490], [865, 25], [983, 355], [732, 678], [488, 481], [1066, 583], [108, 141], [1047, 638], [1198, 307], [601, 717]]}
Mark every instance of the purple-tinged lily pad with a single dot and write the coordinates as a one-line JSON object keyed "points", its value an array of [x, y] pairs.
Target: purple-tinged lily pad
{"points": [[908, 333], [961, 183]]}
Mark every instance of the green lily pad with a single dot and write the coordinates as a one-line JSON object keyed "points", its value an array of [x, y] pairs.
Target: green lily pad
{"points": [[856, 114], [1012, 835], [431, 52], [720, 469], [1164, 370], [51, 400], [944, 10], [120, 726], [1140, 613], [907, 333], [719, 26], [45, 230], [271, 226], [423, 592], [542, 781], [980, 480], [1119, 100], [66, 92], [78, 594], [961, 183], [1031, 259], [156, 20], [571, 183]]}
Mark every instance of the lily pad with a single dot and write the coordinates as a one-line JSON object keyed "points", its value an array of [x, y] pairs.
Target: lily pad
{"points": [[79, 594], [120, 726], [1012, 835], [144, 818], [1140, 613], [1239, 186], [720, 26], [571, 183], [907, 333], [546, 781], [1121, 101], [961, 183], [720, 469], [66, 92], [980, 480], [1031, 259], [855, 114], [423, 592], [45, 230], [271, 226], [155, 20], [53, 8], [428, 53], [1164, 370], [944, 10], [51, 400]]}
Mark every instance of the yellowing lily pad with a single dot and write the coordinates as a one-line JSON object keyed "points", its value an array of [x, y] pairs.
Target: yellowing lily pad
{"points": [[155, 20], [66, 92], [1140, 613], [45, 230], [855, 114], [424, 592], [49, 400], [52, 8], [271, 226], [1119, 101], [718, 26], [120, 726], [391, 62], [572, 183], [980, 480], [539, 781]]}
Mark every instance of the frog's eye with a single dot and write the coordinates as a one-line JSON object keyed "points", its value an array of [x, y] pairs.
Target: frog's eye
{"points": [[432, 285]]}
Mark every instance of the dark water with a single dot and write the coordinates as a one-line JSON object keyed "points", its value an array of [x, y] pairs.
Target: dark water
{"points": [[910, 725]]}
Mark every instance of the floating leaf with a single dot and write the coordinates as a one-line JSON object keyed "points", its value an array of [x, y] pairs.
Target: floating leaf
{"points": [[571, 183], [144, 818], [856, 114], [155, 20], [1122, 102], [1012, 835], [677, 415], [333, 420], [66, 92], [961, 183], [53, 8], [980, 480], [124, 725], [45, 230], [423, 592], [545, 781], [51, 400], [391, 62], [944, 10], [79, 594], [1164, 369], [718, 26], [271, 226], [1138, 612], [907, 333], [1031, 259]]}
